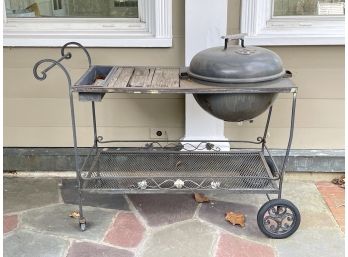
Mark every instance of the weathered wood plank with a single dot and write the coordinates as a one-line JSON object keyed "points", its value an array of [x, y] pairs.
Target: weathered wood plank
{"points": [[149, 78], [120, 77], [142, 77], [98, 83], [165, 78]]}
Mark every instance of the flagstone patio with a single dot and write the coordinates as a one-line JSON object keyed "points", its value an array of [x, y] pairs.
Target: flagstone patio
{"points": [[37, 223]]}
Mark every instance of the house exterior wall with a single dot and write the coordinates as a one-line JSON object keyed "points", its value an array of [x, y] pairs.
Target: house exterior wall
{"points": [[37, 113]]}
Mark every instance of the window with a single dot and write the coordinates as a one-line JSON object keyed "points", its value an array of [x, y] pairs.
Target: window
{"points": [[72, 8], [99, 23], [293, 22]]}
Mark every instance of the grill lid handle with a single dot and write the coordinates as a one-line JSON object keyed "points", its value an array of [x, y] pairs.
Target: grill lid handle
{"points": [[234, 37]]}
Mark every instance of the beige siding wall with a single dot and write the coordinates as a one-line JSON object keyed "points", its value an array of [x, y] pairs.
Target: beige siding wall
{"points": [[37, 113]]}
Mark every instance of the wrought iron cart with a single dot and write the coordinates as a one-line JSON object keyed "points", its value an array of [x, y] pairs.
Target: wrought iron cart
{"points": [[172, 166]]}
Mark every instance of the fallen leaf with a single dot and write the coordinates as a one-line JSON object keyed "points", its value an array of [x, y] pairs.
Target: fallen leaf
{"points": [[201, 198], [236, 218], [74, 214], [341, 181]]}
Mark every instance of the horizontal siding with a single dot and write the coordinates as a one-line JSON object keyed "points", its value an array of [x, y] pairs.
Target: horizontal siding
{"points": [[22, 112], [29, 112], [304, 138], [18, 57], [62, 136]]}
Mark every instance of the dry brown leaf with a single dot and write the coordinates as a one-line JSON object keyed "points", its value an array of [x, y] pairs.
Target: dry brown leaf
{"points": [[201, 198], [236, 218], [74, 214], [341, 181]]}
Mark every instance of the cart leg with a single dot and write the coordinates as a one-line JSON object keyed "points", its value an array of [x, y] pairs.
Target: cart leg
{"points": [[82, 220], [42, 76], [266, 128], [286, 158], [95, 136], [94, 125]]}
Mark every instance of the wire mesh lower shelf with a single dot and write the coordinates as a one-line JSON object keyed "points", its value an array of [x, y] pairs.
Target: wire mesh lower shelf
{"points": [[177, 171]]}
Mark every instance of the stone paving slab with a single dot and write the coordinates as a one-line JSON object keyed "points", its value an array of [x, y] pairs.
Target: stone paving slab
{"points": [[162, 209], [26, 193], [306, 197], [10, 223], [55, 220], [214, 212], [335, 200], [86, 249], [225, 196], [30, 244], [311, 243], [191, 239], [69, 195], [126, 231], [232, 246]]}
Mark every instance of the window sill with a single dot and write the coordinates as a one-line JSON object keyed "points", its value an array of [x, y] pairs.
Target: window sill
{"points": [[283, 40], [87, 40]]}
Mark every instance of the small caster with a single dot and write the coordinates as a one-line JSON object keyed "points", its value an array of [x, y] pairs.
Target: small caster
{"points": [[278, 218], [83, 225]]}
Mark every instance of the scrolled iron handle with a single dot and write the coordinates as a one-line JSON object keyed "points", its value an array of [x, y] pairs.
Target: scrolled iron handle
{"points": [[234, 37], [68, 55], [44, 74]]}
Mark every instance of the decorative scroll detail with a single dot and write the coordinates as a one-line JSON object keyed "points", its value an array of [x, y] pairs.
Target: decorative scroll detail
{"points": [[171, 145], [279, 219], [215, 185], [142, 184], [174, 184], [179, 183], [68, 55]]}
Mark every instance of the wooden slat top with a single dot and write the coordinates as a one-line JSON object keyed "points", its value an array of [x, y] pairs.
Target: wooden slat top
{"points": [[156, 80]]}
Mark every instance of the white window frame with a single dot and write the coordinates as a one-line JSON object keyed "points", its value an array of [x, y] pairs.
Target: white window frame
{"points": [[262, 28], [153, 28]]}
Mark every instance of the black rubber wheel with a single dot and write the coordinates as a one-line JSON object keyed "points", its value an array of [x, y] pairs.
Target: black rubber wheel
{"points": [[278, 218], [83, 226]]}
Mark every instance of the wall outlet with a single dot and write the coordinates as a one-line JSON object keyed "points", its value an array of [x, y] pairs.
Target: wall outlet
{"points": [[158, 133]]}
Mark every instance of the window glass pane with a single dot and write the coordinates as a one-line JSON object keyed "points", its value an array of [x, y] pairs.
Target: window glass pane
{"points": [[308, 7], [72, 8]]}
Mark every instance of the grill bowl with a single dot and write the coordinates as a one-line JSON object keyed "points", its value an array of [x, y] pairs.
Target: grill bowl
{"points": [[235, 107]]}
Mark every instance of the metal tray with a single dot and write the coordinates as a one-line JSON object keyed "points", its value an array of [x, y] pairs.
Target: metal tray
{"points": [[161, 170]]}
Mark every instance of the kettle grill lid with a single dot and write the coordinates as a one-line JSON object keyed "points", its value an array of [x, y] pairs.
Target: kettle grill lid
{"points": [[236, 64]]}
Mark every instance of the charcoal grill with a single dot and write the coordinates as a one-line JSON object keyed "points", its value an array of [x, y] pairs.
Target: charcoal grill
{"points": [[172, 166]]}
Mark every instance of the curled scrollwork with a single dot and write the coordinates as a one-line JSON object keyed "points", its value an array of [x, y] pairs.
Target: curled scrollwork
{"points": [[100, 139], [260, 139], [68, 55], [43, 75]]}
